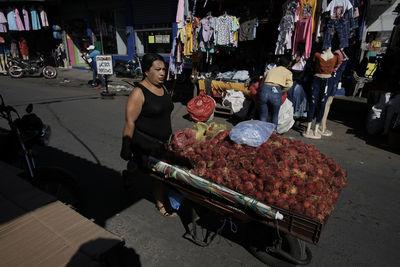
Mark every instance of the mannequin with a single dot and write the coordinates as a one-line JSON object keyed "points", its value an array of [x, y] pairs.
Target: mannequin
{"points": [[325, 63], [332, 88]]}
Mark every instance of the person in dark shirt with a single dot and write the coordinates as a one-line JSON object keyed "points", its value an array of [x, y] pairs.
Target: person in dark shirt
{"points": [[148, 122]]}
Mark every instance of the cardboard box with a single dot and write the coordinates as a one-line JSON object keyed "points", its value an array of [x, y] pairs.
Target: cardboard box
{"points": [[38, 230]]}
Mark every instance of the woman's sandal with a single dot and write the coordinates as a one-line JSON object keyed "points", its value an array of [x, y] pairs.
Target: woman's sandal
{"points": [[166, 213]]}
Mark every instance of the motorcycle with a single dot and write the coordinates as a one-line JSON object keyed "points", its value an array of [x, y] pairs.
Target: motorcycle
{"points": [[18, 68], [16, 149], [131, 68]]}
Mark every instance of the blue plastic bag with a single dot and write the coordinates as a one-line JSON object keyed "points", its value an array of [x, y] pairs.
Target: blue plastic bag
{"points": [[252, 133], [175, 198]]}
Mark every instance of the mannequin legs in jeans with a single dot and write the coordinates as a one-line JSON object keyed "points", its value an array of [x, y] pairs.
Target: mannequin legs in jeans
{"points": [[270, 95], [319, 96]]}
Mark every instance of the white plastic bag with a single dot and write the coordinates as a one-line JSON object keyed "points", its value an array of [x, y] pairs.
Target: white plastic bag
{"points": [[233, 99], [376, 116], [285, 117], [252, 133]]}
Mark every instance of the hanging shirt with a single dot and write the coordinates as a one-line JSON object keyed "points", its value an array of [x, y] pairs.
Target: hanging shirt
{"points": [[3, 22], [246, 32], [18, 20], [12, 23], [223, 30], [35, 20], [26, 19], [206, 34], [307, 9], [337, 8], [43, 17], [188, 42], [179, 14], [235, 29]]}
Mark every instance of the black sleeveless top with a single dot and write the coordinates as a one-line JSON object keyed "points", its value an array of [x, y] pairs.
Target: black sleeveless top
{"points": [[155, 118]]}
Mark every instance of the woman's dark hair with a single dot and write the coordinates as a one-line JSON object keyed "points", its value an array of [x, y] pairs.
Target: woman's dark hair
{"points": [[284, 60], [147, 61]]}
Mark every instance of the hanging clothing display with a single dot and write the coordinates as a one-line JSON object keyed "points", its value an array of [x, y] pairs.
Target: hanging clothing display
{"points": [[3, 22], [43, 17], [180, 20], [337, 8], [303, 33], [337, 23], [26, 19], [223, 30], [286, 27], [18, 20], [247, 30], [353, 17], [188, 39], [206, 34], [35, 20], [12, 23], [307, 10]]}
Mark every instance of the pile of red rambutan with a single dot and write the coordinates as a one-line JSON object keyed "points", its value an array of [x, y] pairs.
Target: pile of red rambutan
{"points": [[282, 172]]}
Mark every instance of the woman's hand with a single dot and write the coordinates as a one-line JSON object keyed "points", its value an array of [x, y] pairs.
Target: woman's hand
{"points": [[126, 154]]}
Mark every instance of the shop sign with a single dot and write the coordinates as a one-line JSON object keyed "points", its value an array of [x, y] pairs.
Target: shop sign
{"points": [[104, 64]]}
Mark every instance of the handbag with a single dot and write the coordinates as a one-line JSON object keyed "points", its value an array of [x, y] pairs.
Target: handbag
{"points": [[146, 142]]}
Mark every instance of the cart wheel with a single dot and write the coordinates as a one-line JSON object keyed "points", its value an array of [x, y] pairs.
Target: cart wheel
{"points": [[293, 250]]}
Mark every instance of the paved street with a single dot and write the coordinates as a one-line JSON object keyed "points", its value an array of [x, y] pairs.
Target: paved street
{"points": [[363, 230]]}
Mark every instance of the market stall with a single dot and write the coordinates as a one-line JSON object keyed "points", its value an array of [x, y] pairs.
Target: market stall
{"points": [[219, 39]]}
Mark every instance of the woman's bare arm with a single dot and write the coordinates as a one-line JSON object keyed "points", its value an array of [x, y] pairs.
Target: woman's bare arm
{"points": [[133, 108]]}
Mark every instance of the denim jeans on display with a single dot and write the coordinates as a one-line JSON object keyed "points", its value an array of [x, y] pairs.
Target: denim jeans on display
{"points": [[341, 27], [298, 97], [334, 80], [317, 99], [270, 96]]}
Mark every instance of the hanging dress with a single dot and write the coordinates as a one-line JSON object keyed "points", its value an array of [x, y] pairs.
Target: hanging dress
{"points": [[23, 47], [18, 20], [43, 17], [3, 22], [12, 24], [26, 19], [35, 20], [188, 41]]}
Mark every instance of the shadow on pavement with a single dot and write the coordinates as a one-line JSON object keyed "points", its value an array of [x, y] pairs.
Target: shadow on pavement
{"points": [[118, 256], [353, 113], [102, 192]]}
